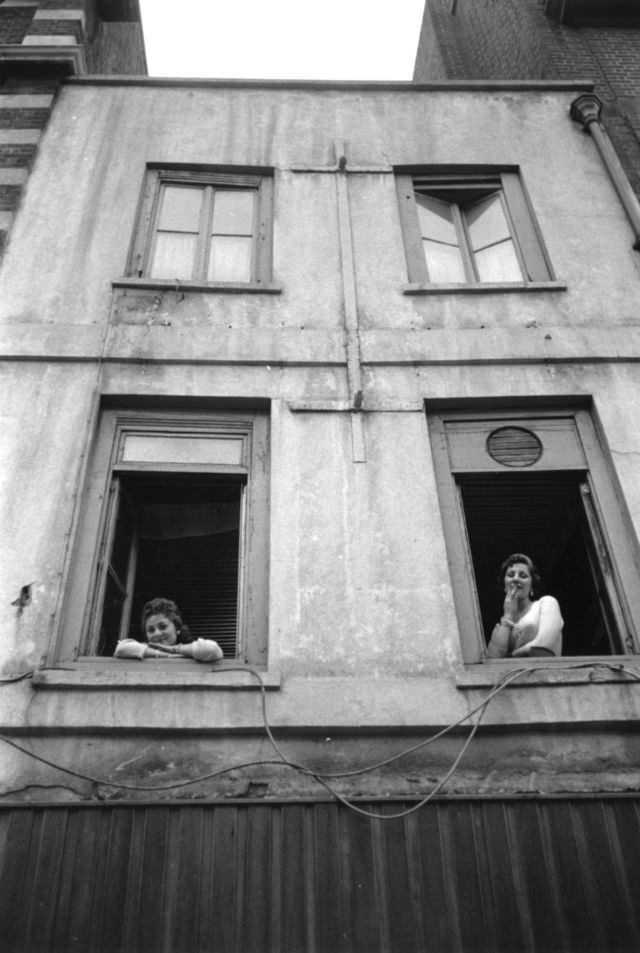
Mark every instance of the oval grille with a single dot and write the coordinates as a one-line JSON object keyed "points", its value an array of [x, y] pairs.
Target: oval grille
{"points": [[514, 447]]}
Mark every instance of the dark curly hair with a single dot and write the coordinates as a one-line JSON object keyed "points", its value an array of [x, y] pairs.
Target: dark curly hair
{"points": [[521, 558], [166, 607]]}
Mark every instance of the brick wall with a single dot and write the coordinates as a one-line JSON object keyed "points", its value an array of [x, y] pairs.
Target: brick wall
{"points": [[40, 42], [14, 22], [514, 39]]}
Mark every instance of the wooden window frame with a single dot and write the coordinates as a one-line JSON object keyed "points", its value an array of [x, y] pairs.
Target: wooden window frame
{"points": [[82, 609], [209, 179], [610, 523], [464, 183]]}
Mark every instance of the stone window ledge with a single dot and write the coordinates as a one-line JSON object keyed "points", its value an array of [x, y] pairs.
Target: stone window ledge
{"points": [[483, 288], [224, 287], [94, 673], [574, 670]]}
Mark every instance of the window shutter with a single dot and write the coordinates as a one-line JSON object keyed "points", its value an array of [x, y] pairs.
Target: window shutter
{"points": [[608, 595], [529, 241], [416, 266]]}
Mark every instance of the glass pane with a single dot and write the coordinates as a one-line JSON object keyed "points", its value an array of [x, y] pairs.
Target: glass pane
{"points": [[436, 219], [486, 222], [180, 208], [498, 263], [173, 255], [444, 262], [122, 540], [233, 213], [174, 449], [230, 259]]}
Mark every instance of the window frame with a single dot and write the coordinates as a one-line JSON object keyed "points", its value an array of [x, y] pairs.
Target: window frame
{"points": [[452, 183], [619, 546], [258, 179], [82, 608]]}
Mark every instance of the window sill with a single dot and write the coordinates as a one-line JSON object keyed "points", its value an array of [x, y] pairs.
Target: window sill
{"points": [[96, 673], [567, 670], [224, 287], [419, 288]]}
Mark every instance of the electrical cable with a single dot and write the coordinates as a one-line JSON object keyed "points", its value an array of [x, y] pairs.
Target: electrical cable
{"points": [[321, 777]]}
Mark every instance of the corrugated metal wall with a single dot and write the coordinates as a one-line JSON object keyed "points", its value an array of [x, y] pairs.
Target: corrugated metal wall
{"points": [[458, 875]]}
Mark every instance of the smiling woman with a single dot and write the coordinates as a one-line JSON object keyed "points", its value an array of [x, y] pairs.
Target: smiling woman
{"points": [[165, 636], [529, 627]]}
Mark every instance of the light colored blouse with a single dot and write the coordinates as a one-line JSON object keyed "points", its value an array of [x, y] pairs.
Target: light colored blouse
{"points": [[539, 628], [202, 650]]}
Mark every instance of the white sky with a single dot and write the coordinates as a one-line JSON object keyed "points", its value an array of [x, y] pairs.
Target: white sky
{"points": [[282, 39]]}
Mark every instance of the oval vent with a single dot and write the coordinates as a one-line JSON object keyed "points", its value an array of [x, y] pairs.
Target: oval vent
{"points": [[514, 447]]}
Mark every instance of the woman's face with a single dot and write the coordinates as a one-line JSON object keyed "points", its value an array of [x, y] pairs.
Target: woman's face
{"points": [[519, 578], [160, 629]]}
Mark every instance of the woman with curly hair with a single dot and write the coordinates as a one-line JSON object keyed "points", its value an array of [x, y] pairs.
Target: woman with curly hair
{"points": [[529, 626], [165, 636]]}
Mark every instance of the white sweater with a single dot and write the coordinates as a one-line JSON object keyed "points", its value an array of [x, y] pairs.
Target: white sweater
{"points": [[202, 650], [539, 628]]}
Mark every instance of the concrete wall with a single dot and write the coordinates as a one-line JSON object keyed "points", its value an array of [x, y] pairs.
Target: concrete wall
{"points": [[362, 629]]}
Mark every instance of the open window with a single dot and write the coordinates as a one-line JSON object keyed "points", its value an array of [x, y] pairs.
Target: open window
{"points": [[469, 225], [176, 506], [538, 484]]}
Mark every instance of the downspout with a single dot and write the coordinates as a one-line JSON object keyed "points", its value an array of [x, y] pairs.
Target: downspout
{"points": [[586, 110]]}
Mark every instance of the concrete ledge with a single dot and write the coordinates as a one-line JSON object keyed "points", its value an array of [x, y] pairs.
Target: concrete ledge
{"points": [[49, 39], [174, 674], [66, 60], [13, 175], [25, 100], [447, 86], [19, 137], [485, 288], [230, 287], [574, 670]]}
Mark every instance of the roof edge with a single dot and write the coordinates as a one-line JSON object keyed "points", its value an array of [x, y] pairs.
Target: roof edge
{"points": [[346, 85]]}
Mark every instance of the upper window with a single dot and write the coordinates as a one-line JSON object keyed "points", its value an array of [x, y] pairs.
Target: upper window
{"points": [[176, 506], [204, 226], [536, 483], [469, 228]]}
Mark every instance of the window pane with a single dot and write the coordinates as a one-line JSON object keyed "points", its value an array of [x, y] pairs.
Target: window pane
{"points": [[230, 259], [180, 208], [486, 222], [233, 213], [498, 263], [173, 255], [444, 262], [436, 219], [169, 449]]}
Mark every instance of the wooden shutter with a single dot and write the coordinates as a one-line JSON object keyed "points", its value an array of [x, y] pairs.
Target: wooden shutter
{"points": [[526, 233]]}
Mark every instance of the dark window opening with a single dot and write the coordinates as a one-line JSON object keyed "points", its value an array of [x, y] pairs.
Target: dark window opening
{"points": [[175, 537], [552, 518]]}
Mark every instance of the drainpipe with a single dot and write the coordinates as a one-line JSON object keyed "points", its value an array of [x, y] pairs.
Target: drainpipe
{"points": [[586, 109]]}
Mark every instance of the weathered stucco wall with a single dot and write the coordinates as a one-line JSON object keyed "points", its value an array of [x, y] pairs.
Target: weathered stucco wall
{"points": [[362, 625]]}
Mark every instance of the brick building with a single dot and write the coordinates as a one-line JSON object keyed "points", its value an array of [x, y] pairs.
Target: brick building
{"points": [[41, 42], [598, 40]]}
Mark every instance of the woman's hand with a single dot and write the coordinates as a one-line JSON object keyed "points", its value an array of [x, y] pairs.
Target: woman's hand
{"points": [[510, 601]]}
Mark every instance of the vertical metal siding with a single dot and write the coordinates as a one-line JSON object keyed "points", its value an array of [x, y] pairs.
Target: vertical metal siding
{"points": [[458, 876]]}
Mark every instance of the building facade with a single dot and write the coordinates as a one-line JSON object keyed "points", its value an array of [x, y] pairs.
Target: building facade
{"points": [[543, 39], [241, 370]]}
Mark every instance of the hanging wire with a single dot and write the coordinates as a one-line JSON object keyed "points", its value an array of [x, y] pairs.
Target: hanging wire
{"points": [[324, 778]]}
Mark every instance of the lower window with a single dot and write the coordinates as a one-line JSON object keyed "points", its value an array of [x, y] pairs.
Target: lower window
{"points": [[537, 484], [176, 506]]}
